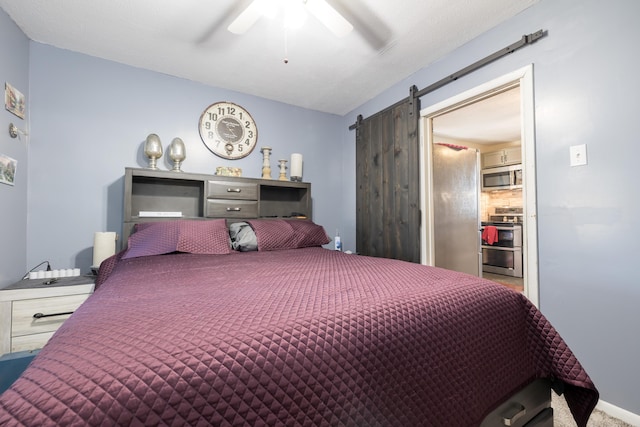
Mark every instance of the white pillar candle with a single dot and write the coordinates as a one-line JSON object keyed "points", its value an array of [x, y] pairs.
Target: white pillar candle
{"points": [[296, 165], [104, 245]]}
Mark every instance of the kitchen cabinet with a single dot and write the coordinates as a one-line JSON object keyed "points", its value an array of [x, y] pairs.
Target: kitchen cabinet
{"points": [[504, 157]]}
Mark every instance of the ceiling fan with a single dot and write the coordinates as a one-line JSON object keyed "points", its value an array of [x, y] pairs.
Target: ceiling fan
{"points": [[320, 9]]}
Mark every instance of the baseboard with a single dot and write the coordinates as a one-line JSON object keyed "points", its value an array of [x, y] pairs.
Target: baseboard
{"points": [[619, 413]]}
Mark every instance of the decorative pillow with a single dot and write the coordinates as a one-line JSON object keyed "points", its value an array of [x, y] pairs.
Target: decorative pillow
{"points": [[204, 237], [155, 238], [243, 238], [308, 233], [191, 236], [275, 234]]}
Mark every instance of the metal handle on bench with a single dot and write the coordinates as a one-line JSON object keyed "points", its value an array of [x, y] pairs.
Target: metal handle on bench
{"points": [[40, 315], [234, 209], [516, 412]]}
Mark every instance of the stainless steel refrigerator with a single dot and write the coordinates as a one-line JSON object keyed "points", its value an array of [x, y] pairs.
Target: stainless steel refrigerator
{"points": [[456, 208]]}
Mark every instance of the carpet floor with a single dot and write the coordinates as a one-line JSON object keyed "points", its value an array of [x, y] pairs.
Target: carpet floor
{"points": [[562, 416]]}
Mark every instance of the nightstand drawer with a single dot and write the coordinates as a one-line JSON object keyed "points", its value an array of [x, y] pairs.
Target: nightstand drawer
{"points": [[217, 208], [232, 190], [23, 321], [30, 342]]}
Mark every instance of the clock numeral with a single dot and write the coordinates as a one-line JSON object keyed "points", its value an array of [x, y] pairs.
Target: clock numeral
{"points": [[213, 117], [210, 135], [247, 124], [250, 135], [247, 141], [231, 111]]}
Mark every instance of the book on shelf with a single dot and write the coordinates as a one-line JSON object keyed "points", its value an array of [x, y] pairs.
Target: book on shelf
{"points": [[163, 214]]}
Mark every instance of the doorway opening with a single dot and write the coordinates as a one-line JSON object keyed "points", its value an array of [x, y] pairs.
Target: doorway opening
{"points": [[442, 116]]}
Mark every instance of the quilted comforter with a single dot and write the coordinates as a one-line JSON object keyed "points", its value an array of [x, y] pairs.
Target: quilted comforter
{"points": [[295, 337]]}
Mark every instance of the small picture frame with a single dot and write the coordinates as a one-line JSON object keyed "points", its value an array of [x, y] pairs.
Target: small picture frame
{"points": [[14, 100], [8, 168], [228, 171]]}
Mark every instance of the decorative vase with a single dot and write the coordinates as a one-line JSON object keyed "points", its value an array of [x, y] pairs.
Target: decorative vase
{"points": [[266, 168], [177, 153], [283, 170], [153, 150]]}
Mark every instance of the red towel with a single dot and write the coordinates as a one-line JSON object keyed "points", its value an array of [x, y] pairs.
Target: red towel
{"points": [[490, 234], [454, 146]]}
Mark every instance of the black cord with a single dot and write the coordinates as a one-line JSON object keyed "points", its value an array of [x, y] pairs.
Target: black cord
{"points": [[48, 269]]}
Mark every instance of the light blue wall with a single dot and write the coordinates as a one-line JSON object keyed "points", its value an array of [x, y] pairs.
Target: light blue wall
{"points": [[90, 119], [586, 92], [14, 69]]}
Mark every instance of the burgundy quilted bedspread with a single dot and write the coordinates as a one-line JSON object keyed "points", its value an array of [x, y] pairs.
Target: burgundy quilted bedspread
{"points": [[307, 337]]}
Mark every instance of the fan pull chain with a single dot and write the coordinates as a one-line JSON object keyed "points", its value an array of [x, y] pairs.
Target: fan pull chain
{"points": [[286, 45]]}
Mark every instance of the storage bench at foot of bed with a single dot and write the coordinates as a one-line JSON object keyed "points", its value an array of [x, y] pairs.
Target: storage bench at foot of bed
{"points": [[530, 407]]}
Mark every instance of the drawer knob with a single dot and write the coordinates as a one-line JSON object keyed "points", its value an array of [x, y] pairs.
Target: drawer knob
{"points": [[234, 190], [40, 315], [234, 209]]}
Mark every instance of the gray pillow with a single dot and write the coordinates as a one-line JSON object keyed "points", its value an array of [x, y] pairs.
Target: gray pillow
{"points": [[243, 238]]}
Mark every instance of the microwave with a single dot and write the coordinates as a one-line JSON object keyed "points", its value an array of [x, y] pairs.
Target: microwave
{"points": [[502, 178]]}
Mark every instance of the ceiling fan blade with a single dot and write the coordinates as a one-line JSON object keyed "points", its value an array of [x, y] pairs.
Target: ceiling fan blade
{"points": [[326, 14], [247, 18]]}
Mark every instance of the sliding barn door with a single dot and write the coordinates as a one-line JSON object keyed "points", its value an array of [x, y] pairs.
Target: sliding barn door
{"points": [[387, 180]]}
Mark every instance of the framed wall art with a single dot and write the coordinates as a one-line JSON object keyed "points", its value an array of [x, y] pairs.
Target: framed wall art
{"points": [[7, 169], [14, 100]]}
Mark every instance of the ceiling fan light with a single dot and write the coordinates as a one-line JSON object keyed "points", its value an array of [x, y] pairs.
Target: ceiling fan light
{"points": [[326, 14], [295, 14], [268, 8]]}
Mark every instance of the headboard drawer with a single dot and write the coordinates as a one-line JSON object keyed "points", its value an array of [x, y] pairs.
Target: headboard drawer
{"points": [[231, 190], [221, 208]]}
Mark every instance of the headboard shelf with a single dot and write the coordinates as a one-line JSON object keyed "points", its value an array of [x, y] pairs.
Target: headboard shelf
{"points": [[155, 195]]}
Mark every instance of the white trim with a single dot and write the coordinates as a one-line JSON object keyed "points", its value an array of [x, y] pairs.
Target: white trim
{"points": [[524, 78], [619, 413], [426, 203]]}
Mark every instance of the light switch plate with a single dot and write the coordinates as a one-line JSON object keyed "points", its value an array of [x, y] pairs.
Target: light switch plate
{"points": [[578, 155]]}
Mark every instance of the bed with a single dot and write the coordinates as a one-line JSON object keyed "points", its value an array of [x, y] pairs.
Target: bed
{"points": [[188, 327]]}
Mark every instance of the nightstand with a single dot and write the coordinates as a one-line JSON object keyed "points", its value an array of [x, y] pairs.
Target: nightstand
{"points": [[31, 311]]}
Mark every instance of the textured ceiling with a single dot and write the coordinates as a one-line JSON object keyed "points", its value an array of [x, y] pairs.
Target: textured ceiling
{"points": [[189, 39], [492, 120]]}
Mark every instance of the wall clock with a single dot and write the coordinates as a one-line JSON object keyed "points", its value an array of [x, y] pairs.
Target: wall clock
{"points": [[228, 130]]}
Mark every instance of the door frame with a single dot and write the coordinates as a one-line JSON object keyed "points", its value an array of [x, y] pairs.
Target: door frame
{"points": [[523, 78]]}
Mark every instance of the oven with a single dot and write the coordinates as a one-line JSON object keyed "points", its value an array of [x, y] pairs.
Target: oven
{"points": [[502, 248]]}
